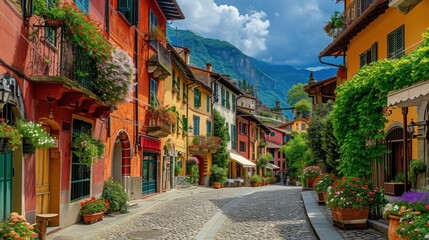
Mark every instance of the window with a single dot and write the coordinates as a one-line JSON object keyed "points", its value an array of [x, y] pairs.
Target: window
{"points": [[288, 127], [279, 154], [209, 128], [302, 126], [185, 92], [129, 9], [208, 105], [242, 146], [272, 152], [272, 134], [243, 128], [222, 95], [82, 5], [233, 137], [153, 20], [197, 98], [216, 92], [80, 174], [396, 43], [153, 95], [196, 125], [233, 103], [51, 36], [227, 127], [228, 103], [369, 56]]}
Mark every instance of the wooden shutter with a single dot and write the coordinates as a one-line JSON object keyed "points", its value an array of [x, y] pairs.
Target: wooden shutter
{"points": [[363, 59], [391, 45], [374, 55], [399, 41]]}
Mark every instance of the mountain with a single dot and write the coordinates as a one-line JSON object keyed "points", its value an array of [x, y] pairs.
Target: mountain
{"points": [[271, 81]]}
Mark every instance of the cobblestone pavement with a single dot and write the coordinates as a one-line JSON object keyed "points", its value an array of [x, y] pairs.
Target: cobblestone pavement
{"points": [[271, 212], [360, 234]]}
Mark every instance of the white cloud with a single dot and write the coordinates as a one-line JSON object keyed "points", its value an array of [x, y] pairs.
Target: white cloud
{"points": [[248, 31], [315, 69]]}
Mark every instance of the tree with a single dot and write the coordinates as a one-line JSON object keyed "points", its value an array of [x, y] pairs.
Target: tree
{"points": [[263, 162], [296, 93], [297, 154], [221, 157], [302, 108], [330, 144]]}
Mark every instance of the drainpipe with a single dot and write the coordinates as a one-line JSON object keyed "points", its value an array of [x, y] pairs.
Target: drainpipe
{"points": [[136, 105]]}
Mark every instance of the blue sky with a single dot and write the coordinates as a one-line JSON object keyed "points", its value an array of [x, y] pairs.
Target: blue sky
{"points": [[286, 32]]}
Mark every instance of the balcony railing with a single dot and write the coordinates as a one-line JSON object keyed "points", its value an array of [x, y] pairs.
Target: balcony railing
{"points": [[204, 143], [159, 128], [159, 63], [53, 60]]}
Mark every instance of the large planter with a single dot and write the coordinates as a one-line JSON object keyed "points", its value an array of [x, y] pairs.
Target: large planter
{"points": [[3, 144], [93, 218], [393, 224], [394, 188], [321, 197], [254, 184], [350, 218], [309, 182], [216, 185]]}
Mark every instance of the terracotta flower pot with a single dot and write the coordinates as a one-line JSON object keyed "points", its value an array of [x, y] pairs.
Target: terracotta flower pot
{"points": [[216, 185], [93, 218], [393, 224], [350, 218], [309, 182], [254, 184], [321, 197]]}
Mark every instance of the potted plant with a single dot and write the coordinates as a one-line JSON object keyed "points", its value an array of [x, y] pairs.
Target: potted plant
{"points": [[115, 194], [34, 136], [255, 180], [349, 201], [16, 227], [156, 33], [87, 149], [310, 173], [218, 177], [93, 209], [195, 141], [335, 25], [321, 185], [416, 167], [10, 137]]}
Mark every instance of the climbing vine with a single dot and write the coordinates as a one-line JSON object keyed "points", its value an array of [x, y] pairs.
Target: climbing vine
{"points": [[358, 117]]}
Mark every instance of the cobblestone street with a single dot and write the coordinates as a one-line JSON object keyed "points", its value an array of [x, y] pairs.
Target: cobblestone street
{"points": [[271, 212]]}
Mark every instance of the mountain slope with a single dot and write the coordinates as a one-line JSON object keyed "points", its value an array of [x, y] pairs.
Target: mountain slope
{"points": [[271, 81]]}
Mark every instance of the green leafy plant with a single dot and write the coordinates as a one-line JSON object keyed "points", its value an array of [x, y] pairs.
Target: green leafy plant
{"points": [[323, 182], [218, 174], [177, 169], [87, 149], [256, 179], [12, 135], [416, 167], [348, 192], [335, 24], [311, 171], [221, 157], [94, 205], [16, 227], [115, 194], [34, 134], [399, 177]]}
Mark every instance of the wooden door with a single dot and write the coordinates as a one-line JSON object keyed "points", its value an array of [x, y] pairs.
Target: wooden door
{"points": [[42, 181], [6, 174]]}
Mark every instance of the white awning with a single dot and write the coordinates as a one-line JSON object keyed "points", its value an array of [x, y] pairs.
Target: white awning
{"points": [[272, 166], [409, 96], [241, 160]]}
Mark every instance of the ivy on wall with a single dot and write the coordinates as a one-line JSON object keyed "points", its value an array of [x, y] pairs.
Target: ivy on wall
{"points": [[358, 117]]}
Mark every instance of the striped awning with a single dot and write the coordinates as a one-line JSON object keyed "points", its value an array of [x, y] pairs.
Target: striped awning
{"points": [[242, 160], [409, 96]]}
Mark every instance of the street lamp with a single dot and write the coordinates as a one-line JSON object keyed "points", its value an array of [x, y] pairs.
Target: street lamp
{"points": [[410, 127]]}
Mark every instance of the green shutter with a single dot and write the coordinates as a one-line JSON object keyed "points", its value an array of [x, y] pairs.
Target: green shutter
{"points": [[362, 59], [399, 41], [374, 54]]}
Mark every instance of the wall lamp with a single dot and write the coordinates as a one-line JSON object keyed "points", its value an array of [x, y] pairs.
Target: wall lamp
{"points": [[190, 128], [5, 93]]}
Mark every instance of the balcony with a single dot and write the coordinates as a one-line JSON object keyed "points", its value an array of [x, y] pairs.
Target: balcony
{"points": [[159, 129], [63, 73], [404, 6], [204, 144], [159, 64], [357, 16]]}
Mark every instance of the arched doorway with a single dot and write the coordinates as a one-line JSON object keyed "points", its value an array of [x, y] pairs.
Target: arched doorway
{"points": [[48, 174], [121, 161], [393, 163]]}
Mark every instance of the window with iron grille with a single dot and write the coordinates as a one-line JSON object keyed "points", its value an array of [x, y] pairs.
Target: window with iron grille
{"points": [[129, 9], [80, 174], [82, 5], [242, 146], [369, 56], [396, 43]]}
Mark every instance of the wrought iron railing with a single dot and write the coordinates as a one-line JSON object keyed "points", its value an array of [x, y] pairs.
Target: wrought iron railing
{"points": [[204, 141], [57, 56]]}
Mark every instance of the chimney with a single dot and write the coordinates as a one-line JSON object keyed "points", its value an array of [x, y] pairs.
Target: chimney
{"points": [[187, 53], [209, 67]]}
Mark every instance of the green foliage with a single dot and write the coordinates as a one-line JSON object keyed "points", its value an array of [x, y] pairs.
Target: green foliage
{"points": [[87, 149], [330, 144], [177, 169], [399, 177], [416, 167], [296, 93], [35, 134], [195, 172], [302, 108], [297, 154], [16, 227], [115, 194], [256, 179], [221, 157], [94, 205], [218, 174], [358, 113]]}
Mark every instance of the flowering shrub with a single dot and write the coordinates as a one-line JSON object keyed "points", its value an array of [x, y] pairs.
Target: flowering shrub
{"points": [[115, 77], [35, 134], [312, 171], [10, 133], [16, 227], [349, 192], [323, 182], [193, 160], [87, 149], [94, 205]]}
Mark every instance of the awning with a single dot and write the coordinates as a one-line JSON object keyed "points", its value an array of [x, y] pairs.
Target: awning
{"points": [[272, 166], [241, 160], [409, 96]]}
